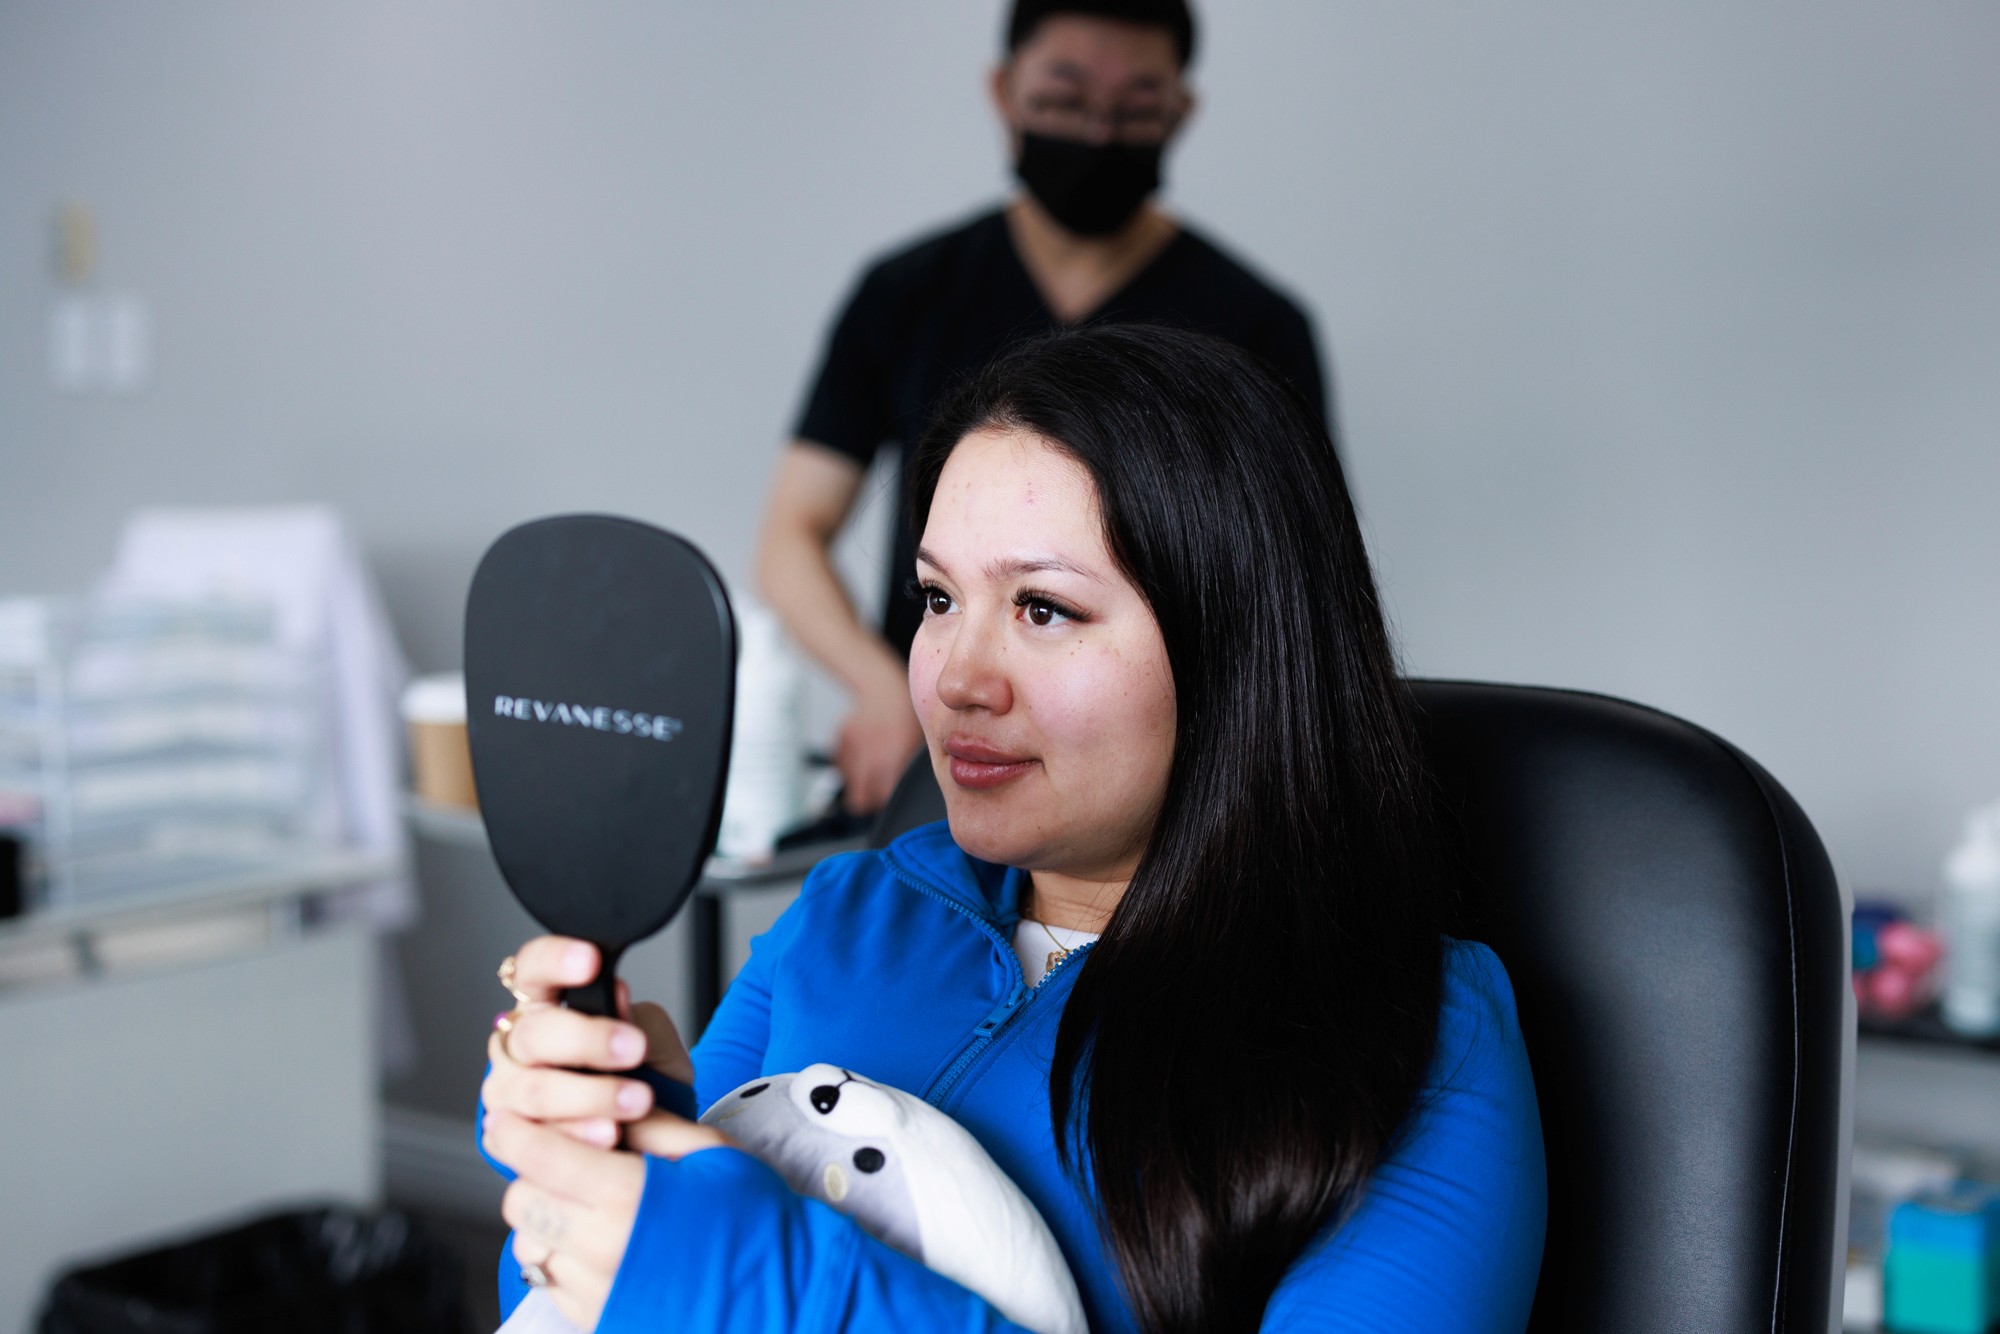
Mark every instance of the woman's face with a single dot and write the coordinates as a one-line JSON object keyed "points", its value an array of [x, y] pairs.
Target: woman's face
{"points": [[1039, 673]]}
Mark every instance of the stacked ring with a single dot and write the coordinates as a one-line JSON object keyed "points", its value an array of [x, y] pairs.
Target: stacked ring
{"points": [[505, 1022], [534, 1274], [508, 967]]}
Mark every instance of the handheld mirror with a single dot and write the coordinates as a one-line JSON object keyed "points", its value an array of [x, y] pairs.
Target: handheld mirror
{"points": [[600, 678]]}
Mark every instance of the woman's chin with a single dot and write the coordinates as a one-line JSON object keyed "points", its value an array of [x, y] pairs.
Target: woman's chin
{"points": [[982, 831]]}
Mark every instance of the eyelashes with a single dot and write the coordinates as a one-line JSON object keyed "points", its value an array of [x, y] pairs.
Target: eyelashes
{"points": [[1030, 599], [925, 592], [1041, 607]]}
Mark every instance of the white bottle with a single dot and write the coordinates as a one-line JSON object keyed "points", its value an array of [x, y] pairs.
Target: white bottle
{"points": [[766, 785], [1970, 919]]}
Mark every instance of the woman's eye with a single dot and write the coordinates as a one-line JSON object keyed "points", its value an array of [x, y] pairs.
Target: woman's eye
{"points": [[1041, 611], [936, 601]]}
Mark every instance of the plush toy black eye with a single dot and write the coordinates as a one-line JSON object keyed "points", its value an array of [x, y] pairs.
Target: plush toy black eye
{"points": [[824, 1098], [753, 1090], [869, 1160]]}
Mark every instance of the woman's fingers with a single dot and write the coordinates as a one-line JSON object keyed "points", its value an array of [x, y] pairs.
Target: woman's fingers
{"points": [[555, 1162], [572, 1207], [665, 1051], [595, 1131], [665, 1135], [547, 965], [578, 1290], [545, 1222], [546, 1093], [527, 1251], [547, 1035], [567, 1196], [580, 1301]]}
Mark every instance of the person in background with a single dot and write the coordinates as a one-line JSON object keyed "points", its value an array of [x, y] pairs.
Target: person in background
{"points": [[1091, 95]]}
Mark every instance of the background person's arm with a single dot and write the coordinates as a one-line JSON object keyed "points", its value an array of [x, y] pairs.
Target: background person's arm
{"points": [[812, 494]]}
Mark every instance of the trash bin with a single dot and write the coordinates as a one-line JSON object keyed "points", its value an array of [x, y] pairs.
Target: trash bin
{"points": [[315, 1271]]}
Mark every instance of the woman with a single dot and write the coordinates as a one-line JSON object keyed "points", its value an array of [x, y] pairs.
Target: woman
{"points": [[1253, 1083]]}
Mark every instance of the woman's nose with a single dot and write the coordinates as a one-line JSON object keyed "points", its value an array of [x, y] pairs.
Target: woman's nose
{"points": [[974, 672]]}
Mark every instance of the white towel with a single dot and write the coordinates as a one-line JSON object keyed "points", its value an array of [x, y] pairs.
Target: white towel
{"points": [[304, 563]]}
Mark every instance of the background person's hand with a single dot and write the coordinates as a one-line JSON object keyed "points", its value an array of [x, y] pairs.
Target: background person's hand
{"points": [[876, 744], [572, 1206], [540, 1069]]}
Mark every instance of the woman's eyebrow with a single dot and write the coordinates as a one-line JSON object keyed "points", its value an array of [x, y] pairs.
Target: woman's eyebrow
{"points": [[925, 557], [1013, 567], [1016, 566]]}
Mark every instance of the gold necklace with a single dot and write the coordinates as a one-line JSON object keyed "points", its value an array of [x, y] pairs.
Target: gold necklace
{"points": [[1056, 955]]}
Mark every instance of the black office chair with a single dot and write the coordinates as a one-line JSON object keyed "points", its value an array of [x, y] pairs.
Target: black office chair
{"points": [[1674, 936]]}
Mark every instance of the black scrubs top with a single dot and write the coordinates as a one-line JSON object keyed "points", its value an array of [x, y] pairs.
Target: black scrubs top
{"points": [[927, 315]]}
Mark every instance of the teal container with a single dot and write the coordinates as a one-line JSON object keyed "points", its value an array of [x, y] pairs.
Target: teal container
{"points": [[1942, 1272]]}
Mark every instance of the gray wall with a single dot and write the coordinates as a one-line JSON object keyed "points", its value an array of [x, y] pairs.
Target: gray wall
{"points": [[1667, 340]]}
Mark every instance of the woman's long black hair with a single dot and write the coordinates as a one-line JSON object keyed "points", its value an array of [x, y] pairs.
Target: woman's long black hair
{"points": [[1255, 1023]]}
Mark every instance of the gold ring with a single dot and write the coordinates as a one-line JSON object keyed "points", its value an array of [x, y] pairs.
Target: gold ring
{"points": [[507, 970], [503, 1024]]}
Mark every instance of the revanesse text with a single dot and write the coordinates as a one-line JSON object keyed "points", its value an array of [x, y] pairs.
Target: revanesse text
{"points": [[655, 725]]}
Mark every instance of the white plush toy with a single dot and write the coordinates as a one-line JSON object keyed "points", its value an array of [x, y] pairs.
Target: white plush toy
{"points": [[911, 1176], [908, 1174]]}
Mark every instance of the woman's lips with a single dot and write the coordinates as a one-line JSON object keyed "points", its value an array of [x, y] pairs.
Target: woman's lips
{"points": [[975, 764]]}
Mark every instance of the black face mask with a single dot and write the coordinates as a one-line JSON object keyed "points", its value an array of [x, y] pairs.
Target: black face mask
{"points": [[1090, 189]]}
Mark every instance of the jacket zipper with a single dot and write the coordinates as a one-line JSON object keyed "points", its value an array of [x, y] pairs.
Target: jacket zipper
{"points": [[1002, 1014]]}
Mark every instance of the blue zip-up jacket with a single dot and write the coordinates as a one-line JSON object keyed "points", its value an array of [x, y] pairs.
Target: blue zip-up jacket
{"points": [[898, 965]]}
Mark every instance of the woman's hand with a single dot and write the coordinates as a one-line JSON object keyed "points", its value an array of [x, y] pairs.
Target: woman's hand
{"points": [[540, 1066], [572, 1206], [573, 1201]]}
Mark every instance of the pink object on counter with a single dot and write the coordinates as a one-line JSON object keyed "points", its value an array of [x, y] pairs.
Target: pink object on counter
{"points": [[1892, 993], [1909, 947]]}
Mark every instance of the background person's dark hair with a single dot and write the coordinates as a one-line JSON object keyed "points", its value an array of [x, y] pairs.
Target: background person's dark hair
{"points": [[1256, 1021], [1173, 15]]}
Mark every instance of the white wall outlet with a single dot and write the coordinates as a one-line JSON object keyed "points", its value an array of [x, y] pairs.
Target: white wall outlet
{"points": [[70, 358], [128, 345], [100, 345]]}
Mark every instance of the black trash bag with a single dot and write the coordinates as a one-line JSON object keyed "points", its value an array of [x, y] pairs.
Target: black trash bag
{"points": [[314, 1271]]}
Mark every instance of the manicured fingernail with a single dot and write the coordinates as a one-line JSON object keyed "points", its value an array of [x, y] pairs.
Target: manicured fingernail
{"points": [[576, 960], [634, 1098], [627, 1046]]}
